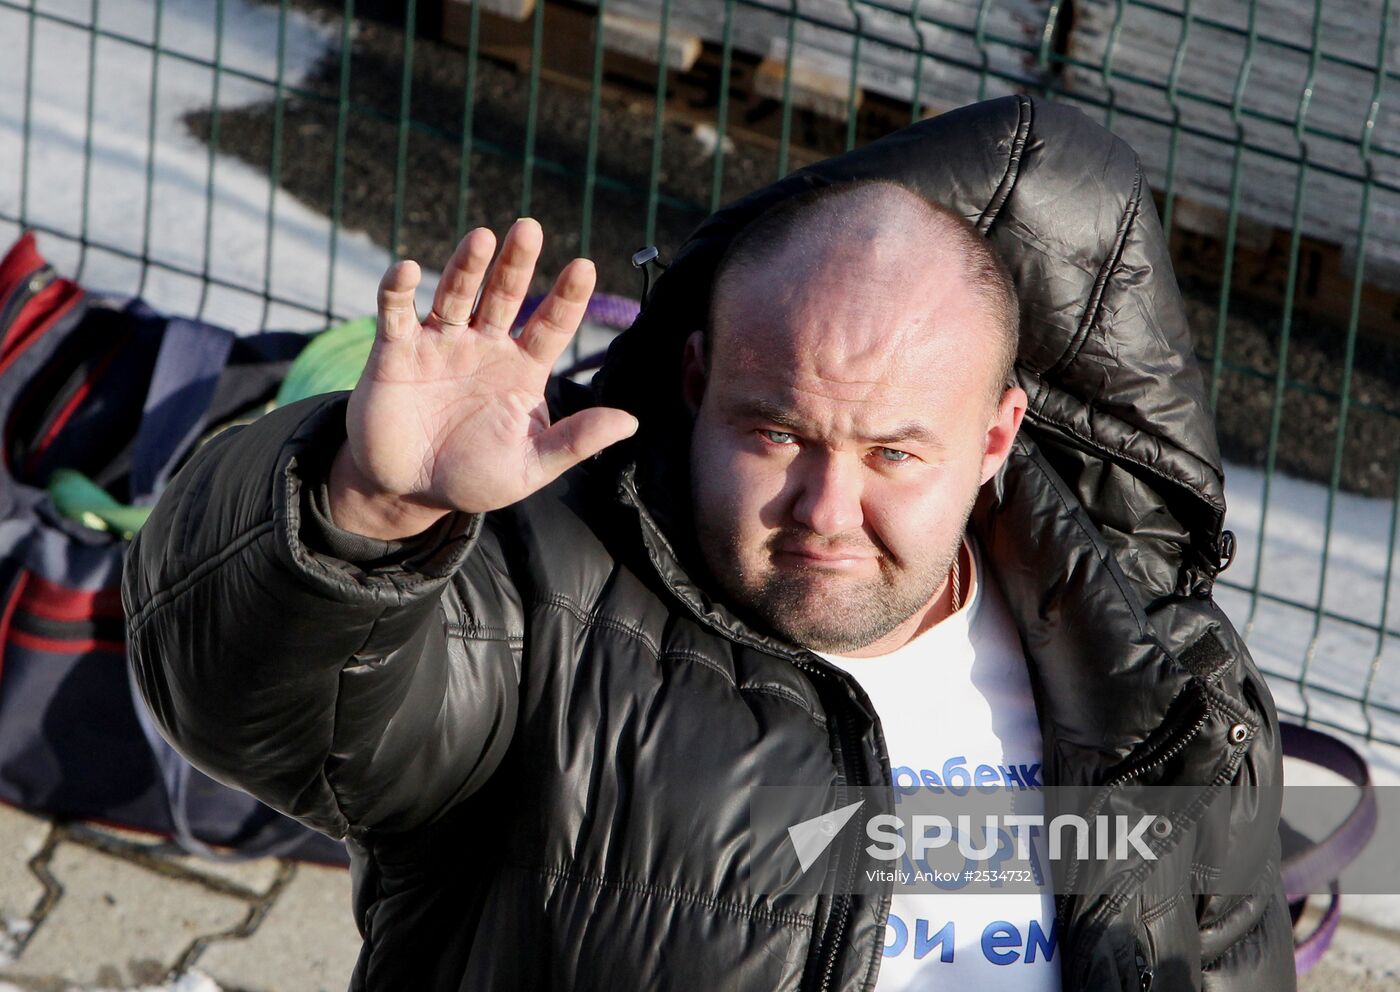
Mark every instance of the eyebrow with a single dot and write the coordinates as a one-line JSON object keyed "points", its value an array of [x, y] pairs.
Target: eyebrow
{"points": [[901, 433]]}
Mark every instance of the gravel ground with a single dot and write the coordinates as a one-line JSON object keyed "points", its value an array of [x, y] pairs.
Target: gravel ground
{"points": [[429, 230], [1307, 431], [1308, 425]]}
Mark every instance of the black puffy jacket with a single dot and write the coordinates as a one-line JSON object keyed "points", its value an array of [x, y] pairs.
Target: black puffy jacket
{"points": [[536, 729]]}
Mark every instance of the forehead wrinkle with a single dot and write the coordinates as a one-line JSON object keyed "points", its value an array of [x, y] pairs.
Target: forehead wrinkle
{"points": [[841, 344], [795, 377]]}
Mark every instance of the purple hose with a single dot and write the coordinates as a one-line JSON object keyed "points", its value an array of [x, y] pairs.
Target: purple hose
{"points": [[604, 309]]}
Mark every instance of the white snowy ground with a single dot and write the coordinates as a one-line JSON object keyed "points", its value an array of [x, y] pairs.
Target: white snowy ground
{"points": [[117, 181], [1338, 654], [1282, 638], [192, 981]]}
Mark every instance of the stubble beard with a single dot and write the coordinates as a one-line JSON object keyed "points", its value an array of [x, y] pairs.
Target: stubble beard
{"points": [[819, 609]]}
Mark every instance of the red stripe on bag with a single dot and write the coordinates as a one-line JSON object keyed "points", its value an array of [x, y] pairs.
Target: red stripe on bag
{"points": [[7, 617], [56, 602], [36, 317], [20, 263], [54, 645]]}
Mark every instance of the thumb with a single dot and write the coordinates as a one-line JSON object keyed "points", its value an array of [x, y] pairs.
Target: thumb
{"points": [[580, 436]]}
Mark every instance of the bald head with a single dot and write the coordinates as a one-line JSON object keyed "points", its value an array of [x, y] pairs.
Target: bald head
{"points": [[870, 239]]}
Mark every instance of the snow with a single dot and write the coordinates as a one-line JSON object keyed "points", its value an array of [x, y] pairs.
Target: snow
{"points": [[1286, 640], [192, 981], [1283, 638], [237, 219]]}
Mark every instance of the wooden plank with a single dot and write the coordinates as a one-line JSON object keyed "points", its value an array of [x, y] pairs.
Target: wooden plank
{"points": [[1323, 292], [639, 38], [812, 88], [514, 10]]}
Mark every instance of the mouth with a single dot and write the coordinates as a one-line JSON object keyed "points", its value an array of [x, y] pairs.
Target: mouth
{"points": [[837, 561]]}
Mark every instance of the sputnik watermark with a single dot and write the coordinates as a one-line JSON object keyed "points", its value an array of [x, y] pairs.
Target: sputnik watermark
{"points": [[992, 830], [1112, 836], [983, 838]]}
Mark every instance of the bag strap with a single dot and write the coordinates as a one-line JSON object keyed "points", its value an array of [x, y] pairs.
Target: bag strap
{"points": [[276, 837], [1308, 951], [1316, 866], [191, 359]]}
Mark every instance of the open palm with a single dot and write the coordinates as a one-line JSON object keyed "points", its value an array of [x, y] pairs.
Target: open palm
{"points": [[450, 412]]}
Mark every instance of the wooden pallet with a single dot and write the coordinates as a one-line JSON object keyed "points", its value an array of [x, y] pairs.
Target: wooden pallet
{"points": [[821, 94], [820, 97], [1212, 66]]}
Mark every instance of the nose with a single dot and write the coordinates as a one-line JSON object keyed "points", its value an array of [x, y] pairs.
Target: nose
{"points": [[829, 498]]}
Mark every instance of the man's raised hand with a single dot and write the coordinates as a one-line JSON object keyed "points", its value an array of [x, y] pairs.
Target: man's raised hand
{"points": [[449, 413]]}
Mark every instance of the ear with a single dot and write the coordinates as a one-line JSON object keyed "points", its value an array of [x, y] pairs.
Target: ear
{"points": [[693, 371], [1011, 408]]}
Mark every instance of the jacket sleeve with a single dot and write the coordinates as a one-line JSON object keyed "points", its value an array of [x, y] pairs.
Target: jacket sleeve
{"points": [[370, 692]]}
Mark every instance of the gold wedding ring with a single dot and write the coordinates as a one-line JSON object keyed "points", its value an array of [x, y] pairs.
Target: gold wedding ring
{"points": [[443, 320]]}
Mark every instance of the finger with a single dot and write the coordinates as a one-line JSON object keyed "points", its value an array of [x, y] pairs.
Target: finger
{"points": [[556, 319], [580, 436], [509, 280], [398, 319], [461, 277]]}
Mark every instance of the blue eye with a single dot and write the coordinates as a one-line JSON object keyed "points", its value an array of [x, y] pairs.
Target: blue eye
{"points": [[893, 455], [778, 437]]}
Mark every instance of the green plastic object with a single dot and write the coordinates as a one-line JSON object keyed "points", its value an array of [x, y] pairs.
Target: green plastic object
{"points": [[79, 498], [332, 360]]}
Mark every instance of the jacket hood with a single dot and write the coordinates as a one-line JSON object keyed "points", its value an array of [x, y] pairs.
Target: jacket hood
{"points": [[1118, 438], [1105, 355]]}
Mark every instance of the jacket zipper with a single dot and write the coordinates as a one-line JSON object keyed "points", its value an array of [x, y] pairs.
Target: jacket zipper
{"points": [[1162, 757], [852, 770], [854, 773], [1158, 760]]}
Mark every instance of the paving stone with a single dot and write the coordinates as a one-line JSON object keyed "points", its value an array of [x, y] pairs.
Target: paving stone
{"points": [[21, 837], [307, 942], [255, 876], [1364, 957], [1328, 977], [118, 924]]}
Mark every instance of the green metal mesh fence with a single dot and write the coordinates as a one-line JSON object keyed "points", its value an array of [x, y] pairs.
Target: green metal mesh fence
{"points": [[315, 140]]}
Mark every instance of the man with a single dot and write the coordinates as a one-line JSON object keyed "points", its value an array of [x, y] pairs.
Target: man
{"points": [[536, 690], [847, 416]]}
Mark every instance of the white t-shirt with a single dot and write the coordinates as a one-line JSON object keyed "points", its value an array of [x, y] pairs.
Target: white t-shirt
{"points": [[959, 695]]}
